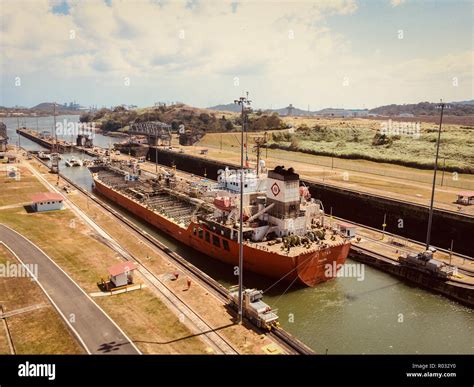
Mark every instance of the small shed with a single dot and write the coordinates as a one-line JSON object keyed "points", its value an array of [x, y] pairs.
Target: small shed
{"points": [[348, 230], [465, 197], [47, 201], [122, 273], [11, 158]]}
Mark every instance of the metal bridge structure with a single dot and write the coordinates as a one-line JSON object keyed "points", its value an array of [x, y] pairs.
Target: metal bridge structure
{"points": [[156, 131]]}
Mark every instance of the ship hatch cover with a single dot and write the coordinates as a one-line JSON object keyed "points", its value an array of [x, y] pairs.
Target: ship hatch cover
{"points": [[275, 189]]}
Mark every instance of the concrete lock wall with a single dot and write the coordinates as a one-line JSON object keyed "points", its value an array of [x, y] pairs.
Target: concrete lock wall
{"points": [[358, 207]]}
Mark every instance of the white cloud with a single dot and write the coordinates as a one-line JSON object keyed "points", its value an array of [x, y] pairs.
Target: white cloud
{"points": [[282, 51], [396, 3]]}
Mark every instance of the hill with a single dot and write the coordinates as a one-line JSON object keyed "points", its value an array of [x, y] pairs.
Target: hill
{"points": [[424, 109], [48, 107], [230, 107], [471, 102]]}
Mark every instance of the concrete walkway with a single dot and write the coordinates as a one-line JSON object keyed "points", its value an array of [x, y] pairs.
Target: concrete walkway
{"points": [[94, 329]]}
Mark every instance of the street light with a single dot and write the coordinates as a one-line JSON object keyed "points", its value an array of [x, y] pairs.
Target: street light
{"points": [[442, 106], [242, 101]]}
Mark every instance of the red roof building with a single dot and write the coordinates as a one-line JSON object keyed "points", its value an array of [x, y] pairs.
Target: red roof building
{"points": [[122, 273], [45, 196], [47, 201]]}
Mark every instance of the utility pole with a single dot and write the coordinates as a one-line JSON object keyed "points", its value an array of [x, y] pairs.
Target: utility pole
{"points": [[156, 158], [242, 101], [384, 225], [55, 149], [444, 167], [259, 141], [19, 135], [442, 105]]}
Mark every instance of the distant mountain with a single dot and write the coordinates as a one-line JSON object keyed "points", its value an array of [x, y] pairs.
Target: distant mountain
{"points": [[295, 111], [471, 102], [424, 109], [49, 107], [230, 107]]}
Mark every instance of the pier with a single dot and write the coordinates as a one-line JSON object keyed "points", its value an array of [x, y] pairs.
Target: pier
{"points": [[62, 145]]}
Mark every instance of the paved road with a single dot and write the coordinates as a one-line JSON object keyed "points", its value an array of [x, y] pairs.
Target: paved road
{"points": [[97, 332]]}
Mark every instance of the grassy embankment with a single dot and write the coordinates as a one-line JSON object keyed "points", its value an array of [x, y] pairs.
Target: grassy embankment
{"points": [[40, 331], [354, 139]]}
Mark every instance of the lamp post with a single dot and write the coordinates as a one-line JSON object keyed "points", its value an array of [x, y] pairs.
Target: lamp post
{"points": [[442, 105], [242, 101]]}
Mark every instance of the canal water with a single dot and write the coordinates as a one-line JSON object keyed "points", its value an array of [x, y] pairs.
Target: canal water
{"points": [[373, 314]]}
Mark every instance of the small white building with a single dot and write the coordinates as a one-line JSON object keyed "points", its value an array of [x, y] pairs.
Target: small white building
{"points": [[47, 201], [348, 230], [466, 198], [122, 273]]}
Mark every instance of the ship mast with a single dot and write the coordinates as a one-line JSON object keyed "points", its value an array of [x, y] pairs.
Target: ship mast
{"points": [[242, 101], [442, 105]]}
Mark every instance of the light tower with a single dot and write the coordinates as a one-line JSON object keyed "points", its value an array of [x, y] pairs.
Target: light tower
{"points": [[290, 108], [243, 102], [441, 106]]}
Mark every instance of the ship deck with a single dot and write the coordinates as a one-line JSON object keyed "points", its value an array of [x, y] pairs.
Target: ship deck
{"points": [[160, 200], [295, 251]]}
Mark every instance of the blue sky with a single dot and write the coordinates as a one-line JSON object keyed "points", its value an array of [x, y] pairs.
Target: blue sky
{"points": [[338, 53]]}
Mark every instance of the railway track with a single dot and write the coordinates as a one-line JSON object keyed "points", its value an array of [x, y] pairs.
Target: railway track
{"points": [[286, 340]]}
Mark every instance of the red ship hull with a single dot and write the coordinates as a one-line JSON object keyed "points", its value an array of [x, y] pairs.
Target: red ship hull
{"points": [[308, 268]]}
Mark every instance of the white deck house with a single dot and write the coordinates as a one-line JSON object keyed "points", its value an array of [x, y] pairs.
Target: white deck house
{"points": [[47, 201], [122, 273], [466, 198], [347, 229]]}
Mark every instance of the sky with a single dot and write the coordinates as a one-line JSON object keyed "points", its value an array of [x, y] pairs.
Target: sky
{"points": [[312, 54]]}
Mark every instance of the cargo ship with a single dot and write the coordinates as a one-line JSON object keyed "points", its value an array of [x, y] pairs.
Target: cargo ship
{"points": [[284, 233]]}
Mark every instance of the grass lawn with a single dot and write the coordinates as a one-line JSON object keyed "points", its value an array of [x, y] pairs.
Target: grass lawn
{"points": [[18, 191]]}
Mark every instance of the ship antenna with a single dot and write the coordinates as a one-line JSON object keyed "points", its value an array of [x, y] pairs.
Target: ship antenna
{"points": [[242, 101], [442, 106]]}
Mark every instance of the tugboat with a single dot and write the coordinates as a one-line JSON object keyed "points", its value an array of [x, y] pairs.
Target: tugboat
{"points": [[73, 162], [44, 156]]}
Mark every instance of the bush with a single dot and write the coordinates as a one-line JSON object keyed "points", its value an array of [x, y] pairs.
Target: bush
{"points": [[381, 139], [111, 125], [85, 117], [229, 126]]}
